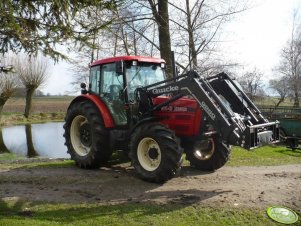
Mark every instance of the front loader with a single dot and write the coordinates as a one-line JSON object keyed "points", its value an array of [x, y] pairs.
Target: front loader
{"points": [[130, 106]]}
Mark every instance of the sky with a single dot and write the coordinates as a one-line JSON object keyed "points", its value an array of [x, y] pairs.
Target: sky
{"points": [[254, 39]]}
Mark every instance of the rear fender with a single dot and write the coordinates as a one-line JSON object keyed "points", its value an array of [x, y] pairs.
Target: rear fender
{"points": [[103, 109]]}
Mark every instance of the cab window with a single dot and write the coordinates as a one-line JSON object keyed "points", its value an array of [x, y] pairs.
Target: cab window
{"points": [[110, 80], [141, 75], [94, 79]]}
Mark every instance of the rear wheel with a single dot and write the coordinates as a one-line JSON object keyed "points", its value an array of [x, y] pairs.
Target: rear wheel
{"points": [[155, 152], [208, 154], [86, 138]]}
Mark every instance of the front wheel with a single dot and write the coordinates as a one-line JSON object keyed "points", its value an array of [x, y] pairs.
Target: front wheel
{"points": [[207, 155], [155, 152], [86, 137]]}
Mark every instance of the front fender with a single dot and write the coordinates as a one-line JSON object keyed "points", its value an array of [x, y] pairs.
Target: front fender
{"points": [[103, 109]]}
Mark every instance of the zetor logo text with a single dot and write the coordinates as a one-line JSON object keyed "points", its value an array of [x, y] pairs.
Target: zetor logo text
{"points": [[165, 90]]}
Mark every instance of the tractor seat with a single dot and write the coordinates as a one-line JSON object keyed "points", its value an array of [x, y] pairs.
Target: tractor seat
{"points": [[114, 92]]}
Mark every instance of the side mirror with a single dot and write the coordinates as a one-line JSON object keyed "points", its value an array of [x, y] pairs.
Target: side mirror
{"points": [[119, 67], [83, 87]]}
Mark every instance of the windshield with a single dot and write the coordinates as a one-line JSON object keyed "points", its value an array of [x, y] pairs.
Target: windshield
{"points": [[141, 75]]}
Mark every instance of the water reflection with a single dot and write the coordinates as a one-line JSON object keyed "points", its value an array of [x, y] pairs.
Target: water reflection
{"points": [[44, 140], [3, 148], [31, 152]]}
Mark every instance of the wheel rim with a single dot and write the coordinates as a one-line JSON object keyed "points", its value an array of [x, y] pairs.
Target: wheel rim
{"points": [[149, 154], [80, 134], [204, 149]]}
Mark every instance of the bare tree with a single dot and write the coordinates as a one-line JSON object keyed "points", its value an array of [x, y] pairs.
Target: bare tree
{"points": [[142, 27], [7, 86], [132, 32], [136, 34], [79, 67], [281, 87], [290, 63], [290, 67], [32, 72], [252, 84], [7, 83], [197, 27]]}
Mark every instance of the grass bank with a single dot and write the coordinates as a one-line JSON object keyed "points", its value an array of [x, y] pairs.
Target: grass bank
{"points": [[44, 109], [9, 119]]}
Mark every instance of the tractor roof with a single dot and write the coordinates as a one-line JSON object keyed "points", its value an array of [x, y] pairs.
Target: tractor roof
{"points": [[128, 58]]}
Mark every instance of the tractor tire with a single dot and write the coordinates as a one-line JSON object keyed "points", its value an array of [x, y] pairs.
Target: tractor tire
{"points": [[207, 155], [86, 138], [155, 152]]}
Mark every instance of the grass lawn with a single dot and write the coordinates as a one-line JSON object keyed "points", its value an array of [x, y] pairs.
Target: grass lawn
{"points": [[25, 213], [264, 156]]}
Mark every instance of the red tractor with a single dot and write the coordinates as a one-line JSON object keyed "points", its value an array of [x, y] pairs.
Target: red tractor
{"points": [[131, 106]]}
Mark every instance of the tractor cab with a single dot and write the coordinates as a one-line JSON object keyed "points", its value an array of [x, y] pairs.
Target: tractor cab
{"points": [[116, 79]]}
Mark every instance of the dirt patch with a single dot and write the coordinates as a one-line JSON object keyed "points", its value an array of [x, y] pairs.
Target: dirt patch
{"points": [[238, 186]]}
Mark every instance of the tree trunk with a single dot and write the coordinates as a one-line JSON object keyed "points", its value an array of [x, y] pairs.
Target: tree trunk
{"points": [[2, 102], [3, 147], [115, 46], [135, 42], [192, 50], [281, 99], [31, 152], [1, 108], [125, 41], [295, 87], [296, 99], [162, 19], [29, 95]]}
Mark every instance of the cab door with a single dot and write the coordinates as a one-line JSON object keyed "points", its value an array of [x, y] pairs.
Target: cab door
{"points": [[111, 88]]}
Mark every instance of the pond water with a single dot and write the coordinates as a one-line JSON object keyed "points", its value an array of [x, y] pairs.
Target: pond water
{"points": [[44, 140]]}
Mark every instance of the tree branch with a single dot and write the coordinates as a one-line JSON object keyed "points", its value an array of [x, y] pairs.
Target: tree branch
{"points": [[198, 13]]}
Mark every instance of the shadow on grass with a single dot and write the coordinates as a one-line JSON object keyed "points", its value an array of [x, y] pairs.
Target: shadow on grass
{"points": [[14, 208], [290, 152], [72, 213]]}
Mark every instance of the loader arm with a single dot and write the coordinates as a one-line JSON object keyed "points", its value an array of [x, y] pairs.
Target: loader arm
{"points": [[234, 116]]}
